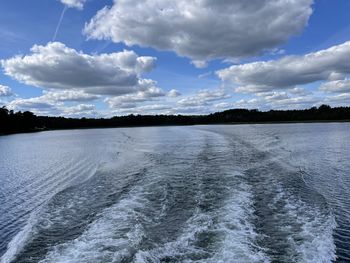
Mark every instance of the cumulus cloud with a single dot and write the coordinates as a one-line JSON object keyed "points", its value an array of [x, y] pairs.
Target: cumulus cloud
{"points": [[279, 101], [277, 97], [200, 63], [204, 29], [80, 110], [155, 101], [148, 92], [68, 95], [36, 105], [174, 93], [79, 4], [5, 91], [299, 91], [56, 66], [338, 99], [336, 86], [53, 105], [223, 106], [329, 64], [203, 97]]}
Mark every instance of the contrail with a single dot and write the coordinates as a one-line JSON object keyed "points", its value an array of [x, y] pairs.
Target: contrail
{"points": [[59, 23]]}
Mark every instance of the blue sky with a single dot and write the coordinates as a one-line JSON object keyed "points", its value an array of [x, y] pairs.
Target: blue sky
{"points": [[161, 56]]}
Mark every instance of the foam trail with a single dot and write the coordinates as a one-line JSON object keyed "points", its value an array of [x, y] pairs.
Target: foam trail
{"points": [[316, 232], [59, 23], [110, 238], [19, 241], [230, 224]]}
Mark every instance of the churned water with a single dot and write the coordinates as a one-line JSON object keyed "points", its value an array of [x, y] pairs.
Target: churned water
{"points": [[243, 193]]}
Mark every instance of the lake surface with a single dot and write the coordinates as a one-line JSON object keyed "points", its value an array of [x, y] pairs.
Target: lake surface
{"points": [[243, 193]]}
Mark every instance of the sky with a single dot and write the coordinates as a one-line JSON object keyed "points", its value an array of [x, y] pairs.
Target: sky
{"points": [[101, 58]]}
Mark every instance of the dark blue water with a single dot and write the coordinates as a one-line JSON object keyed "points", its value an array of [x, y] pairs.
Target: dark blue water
{"points": [[245, 193]]}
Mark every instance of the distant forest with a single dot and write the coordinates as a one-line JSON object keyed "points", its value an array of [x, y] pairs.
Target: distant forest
{"points": [[17, 122]]}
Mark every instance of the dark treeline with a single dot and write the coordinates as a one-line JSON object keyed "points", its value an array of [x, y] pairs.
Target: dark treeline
{"points": [[15, 122]]}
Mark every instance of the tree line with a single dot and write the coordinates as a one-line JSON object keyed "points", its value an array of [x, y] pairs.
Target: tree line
{"points": [[17, 122]]}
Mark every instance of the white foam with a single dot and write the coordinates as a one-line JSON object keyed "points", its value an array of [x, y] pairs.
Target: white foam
{"points": [[314, 243], [230, 223], [19, 241], [108, 239], [239, 243], [317, 233]]}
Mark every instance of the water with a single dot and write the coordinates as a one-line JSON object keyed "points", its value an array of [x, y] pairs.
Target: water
{"points": [[245, 193]]}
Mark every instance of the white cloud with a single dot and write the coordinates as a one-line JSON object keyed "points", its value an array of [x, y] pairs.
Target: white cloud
{"points": [[79, 4], [5, 91], [290, 70], [280, 100], [343, 97], [174, 93], [37, 105], [157, 102], [200, 63], [336, 86], [277, 97], [298, 91], [56, 66], [192, 110], [223, 106], [81, 110], [68, 95], [148, 92], [151, 109], [203, 97], [204, 29], [53, 105], [51, 99]]}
